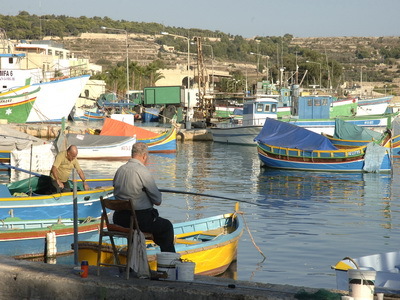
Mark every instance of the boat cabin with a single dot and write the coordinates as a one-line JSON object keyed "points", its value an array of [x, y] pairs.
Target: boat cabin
{"points": [[311, 107], [256, 111], [11, 74]]}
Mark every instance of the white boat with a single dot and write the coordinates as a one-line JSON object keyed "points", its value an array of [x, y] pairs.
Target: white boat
{"points": [[102, 146], [310, 112], [254, 114], [56, 97], [386, 265], [373, 106]]}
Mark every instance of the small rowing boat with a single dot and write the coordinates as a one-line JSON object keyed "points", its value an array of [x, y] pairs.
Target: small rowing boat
{"points": [[211, 243]]}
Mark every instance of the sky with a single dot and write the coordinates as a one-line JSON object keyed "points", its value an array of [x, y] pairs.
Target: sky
{"points": [[248, 18]]}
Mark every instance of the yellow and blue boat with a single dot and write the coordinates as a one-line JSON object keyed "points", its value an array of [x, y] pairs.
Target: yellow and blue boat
{"points": [[211, 243], [27, 199]]}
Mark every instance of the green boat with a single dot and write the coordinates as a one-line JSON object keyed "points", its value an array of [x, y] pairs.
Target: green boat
{"points": [[16, 104]]}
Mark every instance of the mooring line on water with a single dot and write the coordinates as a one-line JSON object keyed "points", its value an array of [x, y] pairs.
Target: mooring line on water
{"points": [[212, 196], [251, 236], [225, 198]]}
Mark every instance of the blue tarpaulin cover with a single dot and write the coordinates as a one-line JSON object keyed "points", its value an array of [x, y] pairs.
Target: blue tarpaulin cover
{"points": [[282, 134]]}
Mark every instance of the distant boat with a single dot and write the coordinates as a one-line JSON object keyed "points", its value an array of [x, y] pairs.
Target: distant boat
{"points": [[254, 114], [286, 146], [373, 106], [351, 135], [211, 243], [310, 112], [101, 146], [16, 104], [157, 143], [91, 116]]}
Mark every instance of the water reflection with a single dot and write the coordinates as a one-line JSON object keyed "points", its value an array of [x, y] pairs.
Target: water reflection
{"points": [[327, 186], [310, 219]]}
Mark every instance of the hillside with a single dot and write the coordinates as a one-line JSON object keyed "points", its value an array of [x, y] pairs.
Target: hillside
{"points": [[360, 58]]}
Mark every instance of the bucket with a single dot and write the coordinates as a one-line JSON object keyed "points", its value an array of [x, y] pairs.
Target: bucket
{"points": [[166, 262], [361, 284], [185, 271]]}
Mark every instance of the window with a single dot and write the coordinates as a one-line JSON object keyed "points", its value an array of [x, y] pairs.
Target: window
{"points": [[10, 60], [267, 108], [259, 107]]}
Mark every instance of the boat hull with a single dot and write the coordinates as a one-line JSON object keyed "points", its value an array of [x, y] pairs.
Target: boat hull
{"points": [[16, 104], [27, 239], [240, 135], [244, 135], [163, 143], [374, 106], [201, 241], [286, 146], [327, 126], [157, 143], [102, 147], [56, 99], [356, 165], [53, 206]]}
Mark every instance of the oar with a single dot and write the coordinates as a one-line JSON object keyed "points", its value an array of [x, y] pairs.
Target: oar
{"points": [[19, 169], [212, 196]]}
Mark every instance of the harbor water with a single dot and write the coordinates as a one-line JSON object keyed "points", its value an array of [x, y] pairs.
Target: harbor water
{"points": [[303, 222]]}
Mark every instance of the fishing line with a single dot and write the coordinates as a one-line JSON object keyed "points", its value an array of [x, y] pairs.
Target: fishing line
{"points": [[212, 196]]}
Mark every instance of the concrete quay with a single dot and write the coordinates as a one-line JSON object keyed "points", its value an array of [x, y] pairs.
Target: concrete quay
{"points": [[34, 280]]}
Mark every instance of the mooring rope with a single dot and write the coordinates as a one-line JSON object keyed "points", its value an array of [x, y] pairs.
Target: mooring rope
{"points": [[251, 236]]}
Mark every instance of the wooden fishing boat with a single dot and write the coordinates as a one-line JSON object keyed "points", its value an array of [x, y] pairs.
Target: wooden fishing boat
{"points": [[26, 199], [373, 106], [386, 265], [27, 238], [157, 143], [16, 103], [254, 114], [286, 146], [210, 242], [102, 147], [92, 116], [311, 112], [351, 135]]}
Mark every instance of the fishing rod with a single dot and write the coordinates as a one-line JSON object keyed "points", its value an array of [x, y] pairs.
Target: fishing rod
{"points": [[212, 196]]}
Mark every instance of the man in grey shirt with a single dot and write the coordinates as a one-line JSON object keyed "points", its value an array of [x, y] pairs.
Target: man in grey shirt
{"points": [[133, 182]]}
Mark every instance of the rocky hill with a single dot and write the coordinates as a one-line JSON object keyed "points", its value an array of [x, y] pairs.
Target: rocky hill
{"points": [[356, 54]]}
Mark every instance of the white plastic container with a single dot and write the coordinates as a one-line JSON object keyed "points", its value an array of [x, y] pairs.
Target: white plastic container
{"points": [[166, 262], [361, 284], [185, 271]]}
